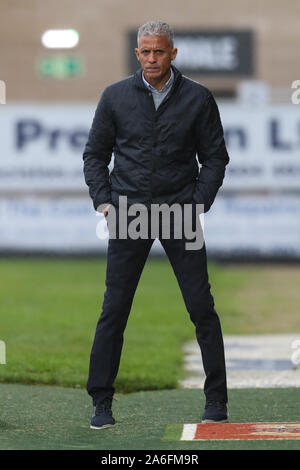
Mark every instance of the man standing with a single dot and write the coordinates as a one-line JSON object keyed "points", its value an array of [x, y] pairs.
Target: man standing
{"points": [[155, 122]]}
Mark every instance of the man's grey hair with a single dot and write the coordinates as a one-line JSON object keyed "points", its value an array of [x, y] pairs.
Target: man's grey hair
{"points": [[156, 28]]}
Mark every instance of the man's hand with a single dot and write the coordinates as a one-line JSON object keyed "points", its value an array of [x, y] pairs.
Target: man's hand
{"points": [[105, 211], [103, 208]]}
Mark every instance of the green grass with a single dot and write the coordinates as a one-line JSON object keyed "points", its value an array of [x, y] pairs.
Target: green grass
{"points": [[44, 417], [50, 307]]}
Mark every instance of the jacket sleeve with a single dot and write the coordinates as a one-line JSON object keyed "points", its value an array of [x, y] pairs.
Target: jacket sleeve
{"points": [[211, 153], [98, 152]]}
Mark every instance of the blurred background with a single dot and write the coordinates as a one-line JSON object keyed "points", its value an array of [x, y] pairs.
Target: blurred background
{"points": [[248, 54]]}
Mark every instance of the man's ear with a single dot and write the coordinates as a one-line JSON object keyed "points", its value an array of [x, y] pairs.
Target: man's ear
{"points": [[174, 53], [137, 53]]}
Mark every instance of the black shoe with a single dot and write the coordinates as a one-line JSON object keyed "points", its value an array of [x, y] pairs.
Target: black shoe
{"points": [[215, 412], [102, 415]]}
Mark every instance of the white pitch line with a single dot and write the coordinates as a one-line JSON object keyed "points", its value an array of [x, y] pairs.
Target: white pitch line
{"points": [[188, 432]]}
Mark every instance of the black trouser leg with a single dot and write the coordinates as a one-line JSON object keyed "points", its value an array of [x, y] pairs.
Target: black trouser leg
{"points": [[125, 262], [190, 268]]}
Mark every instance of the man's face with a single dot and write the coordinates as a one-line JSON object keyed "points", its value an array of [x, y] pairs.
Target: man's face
{"points": [[155, 55]]}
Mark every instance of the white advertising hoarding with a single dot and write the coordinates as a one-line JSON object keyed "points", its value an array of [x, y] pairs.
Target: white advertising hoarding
{"points": [[248, 225], [254, 225], [264, 146], [62, 224], [41, 146], [41, 150]]}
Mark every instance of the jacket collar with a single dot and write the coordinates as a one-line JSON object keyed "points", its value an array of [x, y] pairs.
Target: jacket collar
{"points": [[138, 79]]}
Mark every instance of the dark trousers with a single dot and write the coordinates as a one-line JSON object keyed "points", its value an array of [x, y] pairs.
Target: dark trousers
{"points": [[125, 261]]}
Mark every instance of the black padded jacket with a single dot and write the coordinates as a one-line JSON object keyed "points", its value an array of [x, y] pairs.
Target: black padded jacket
{"points": [[155, 151]]}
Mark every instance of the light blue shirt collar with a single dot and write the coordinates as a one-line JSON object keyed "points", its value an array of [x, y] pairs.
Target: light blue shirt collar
{"points": [[166, 86]]}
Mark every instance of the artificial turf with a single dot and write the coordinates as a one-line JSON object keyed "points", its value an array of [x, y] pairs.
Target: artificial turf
{"points": [[56, 418]]}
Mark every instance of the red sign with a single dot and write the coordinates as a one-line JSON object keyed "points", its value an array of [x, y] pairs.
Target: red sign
{"points": [[228, 431]]}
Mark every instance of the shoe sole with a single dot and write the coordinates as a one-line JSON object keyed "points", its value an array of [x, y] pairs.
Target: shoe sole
{"points": [[212, 421], [102, 427]]}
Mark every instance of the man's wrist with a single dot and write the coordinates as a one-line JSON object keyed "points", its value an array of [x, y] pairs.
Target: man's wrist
{"points": [[103, 207]]}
